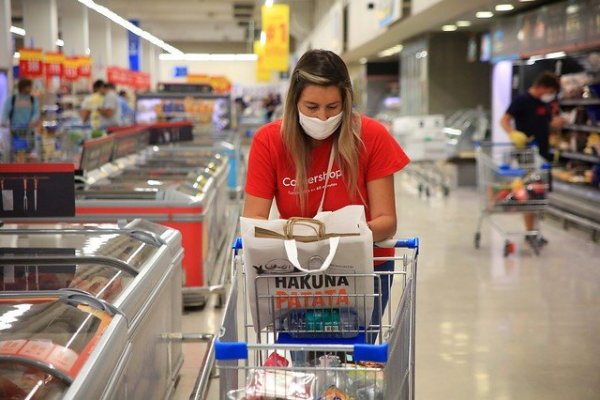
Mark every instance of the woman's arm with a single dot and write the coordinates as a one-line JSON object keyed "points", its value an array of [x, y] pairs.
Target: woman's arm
{"points": [[256, 207], [382, 206]]}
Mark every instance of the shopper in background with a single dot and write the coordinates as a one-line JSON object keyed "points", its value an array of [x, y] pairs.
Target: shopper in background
{"points": [[111, 107], [127, 113], [318, 122], [91, 105], [21, 114], [529, 119]]}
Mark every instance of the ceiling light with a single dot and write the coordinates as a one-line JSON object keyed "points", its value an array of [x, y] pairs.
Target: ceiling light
{"points": [[558, 54], [484, 14], [391, 51], [208, 57], [129, 26], [449, 28], [504, 7], [363, 60], [463, 24], [60, 42], [17, 31]]}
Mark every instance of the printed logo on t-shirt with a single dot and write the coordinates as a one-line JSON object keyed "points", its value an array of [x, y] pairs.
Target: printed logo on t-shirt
{"points": [[541, 111], [290, 182]]}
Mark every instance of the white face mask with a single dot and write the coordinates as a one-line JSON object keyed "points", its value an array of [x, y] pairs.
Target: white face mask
{"points": [[547, 98], [317, 129]]}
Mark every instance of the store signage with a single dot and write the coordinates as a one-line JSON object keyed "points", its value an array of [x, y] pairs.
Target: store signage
{"points": [[275, 24], [53, 64], [31, 63], [84, 67], [118, 75], [263, 73], [37, 190], [180, 71], [220, 84], [69, 69], [198, 78], [135, 47], [388, 11], [140, 80]]}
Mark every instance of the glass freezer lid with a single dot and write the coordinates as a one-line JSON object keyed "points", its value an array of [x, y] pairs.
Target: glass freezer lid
{"points": [[44, 342], [129, 247]]}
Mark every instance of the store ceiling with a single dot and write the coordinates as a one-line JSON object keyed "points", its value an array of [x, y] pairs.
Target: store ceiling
{"points": [[198, 26]]}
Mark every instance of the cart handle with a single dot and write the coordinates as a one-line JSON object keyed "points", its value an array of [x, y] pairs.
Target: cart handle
{"points": [[408, 243]]}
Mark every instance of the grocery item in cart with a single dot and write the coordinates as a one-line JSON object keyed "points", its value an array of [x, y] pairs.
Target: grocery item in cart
{"points": [[305, 263], [322, 323], [333, 393], [275, 385], [276, 360]]}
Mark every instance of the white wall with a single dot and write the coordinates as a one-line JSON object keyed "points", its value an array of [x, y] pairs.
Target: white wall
{"points": [[242, 72], [327, 33], [363, 24]]}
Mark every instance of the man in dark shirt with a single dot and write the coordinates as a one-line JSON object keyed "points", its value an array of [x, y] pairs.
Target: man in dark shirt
{"points": [[529, 118]]}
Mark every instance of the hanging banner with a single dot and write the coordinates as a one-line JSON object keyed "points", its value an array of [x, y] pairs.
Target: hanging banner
{"points": [[69, 70], [141, 80], [134, 47], [84, 67], [263, 74], [276, 25], [31, 63], [118, 75], [53, 64]]}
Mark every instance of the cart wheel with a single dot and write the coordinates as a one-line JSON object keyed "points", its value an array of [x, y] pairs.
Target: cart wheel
{"points": [[446, 191], [509, 248], [477, 240]]}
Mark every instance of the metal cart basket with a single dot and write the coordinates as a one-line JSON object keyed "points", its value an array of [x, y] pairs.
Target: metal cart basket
{"points": [[316, 351], [512, 181]]}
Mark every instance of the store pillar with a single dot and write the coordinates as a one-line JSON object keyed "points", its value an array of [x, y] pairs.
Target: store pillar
{"points": [[74, 26], [40, 20], [100, 43], [150, 61], [120, 49], [6, 42]]}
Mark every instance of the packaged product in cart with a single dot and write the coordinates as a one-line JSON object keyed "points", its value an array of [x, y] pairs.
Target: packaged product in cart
{"points": [[275, 385], [333, 393], [276, 360]]}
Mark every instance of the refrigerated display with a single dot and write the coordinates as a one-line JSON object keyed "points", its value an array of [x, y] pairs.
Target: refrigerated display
{"points": [[159, 184], [86, 310]]}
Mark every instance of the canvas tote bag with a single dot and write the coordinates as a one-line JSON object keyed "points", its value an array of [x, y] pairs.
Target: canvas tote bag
{"points": [[323, 262]]}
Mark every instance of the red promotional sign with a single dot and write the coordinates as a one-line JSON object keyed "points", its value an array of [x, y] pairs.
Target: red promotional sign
{"points": [[53, 64], [70, 69], [84, 67], [118, 75], [31, 63], [141, 80]]}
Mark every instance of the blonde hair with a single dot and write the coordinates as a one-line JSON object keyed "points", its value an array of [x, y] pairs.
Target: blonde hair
{"points": [[322, 68]]}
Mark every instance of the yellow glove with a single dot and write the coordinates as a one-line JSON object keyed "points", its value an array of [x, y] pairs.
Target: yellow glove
{"points": [[519, 139]]}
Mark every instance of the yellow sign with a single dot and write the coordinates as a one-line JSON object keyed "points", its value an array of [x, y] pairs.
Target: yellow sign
{"points": [[276, 25], [198, 78], [263, 74]]}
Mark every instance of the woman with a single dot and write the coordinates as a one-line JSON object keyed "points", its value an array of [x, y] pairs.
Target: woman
{"points": [[290, 158]]}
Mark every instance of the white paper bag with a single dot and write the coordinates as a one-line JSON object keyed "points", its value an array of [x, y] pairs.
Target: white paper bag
{"points": [[320, 263]]}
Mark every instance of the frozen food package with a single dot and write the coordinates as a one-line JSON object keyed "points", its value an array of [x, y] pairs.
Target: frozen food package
{"points": [[277, 384], [276, 360]]}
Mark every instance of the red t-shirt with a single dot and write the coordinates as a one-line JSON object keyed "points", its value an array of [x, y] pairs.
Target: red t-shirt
{"points": [[271, 171]]}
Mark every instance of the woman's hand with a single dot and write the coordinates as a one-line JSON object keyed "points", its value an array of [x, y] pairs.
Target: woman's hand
{"points": [[256, 207], [382, 207]]}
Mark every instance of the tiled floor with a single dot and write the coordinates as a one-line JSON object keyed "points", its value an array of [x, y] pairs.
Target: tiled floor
{"points": [[488, 327]]}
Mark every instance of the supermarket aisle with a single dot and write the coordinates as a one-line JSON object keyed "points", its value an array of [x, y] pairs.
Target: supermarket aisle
{"points": [[525, 327]]}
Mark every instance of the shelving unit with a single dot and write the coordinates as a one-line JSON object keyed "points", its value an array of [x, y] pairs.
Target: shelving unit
{"points": [[576, 156], [580, 102], [581, 128]]}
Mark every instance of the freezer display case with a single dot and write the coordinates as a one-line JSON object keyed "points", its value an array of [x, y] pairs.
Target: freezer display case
{"points": [[86, 309], [188, 194]]}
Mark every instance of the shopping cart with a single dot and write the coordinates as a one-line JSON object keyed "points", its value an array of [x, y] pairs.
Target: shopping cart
{"points": [[424, 140], [512, 181], [282, 362]]}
